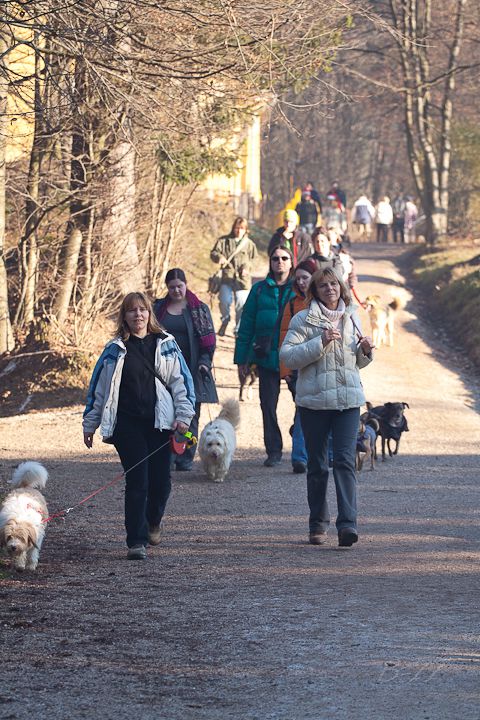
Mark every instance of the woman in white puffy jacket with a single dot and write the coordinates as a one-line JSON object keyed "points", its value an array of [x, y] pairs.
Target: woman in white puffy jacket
{"points": [[324, 343], [383, 219]]}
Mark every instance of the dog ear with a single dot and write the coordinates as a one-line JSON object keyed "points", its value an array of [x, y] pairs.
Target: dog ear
{"points": [[31, 536], [406, 405]]}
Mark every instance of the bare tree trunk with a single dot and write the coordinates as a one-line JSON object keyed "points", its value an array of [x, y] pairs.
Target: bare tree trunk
{"points": [[69, 266], [79, 213], [6, 335], [118, 228], [30, 239]]}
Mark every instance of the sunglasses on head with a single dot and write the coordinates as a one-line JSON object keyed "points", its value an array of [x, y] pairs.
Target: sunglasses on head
{"points": [[277, 258]]}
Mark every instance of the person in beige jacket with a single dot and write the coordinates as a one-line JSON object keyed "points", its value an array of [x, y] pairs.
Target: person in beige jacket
{"points": [[325, 344]]}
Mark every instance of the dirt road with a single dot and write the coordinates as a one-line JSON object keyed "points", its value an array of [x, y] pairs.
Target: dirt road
{"points": [[235, 615]]}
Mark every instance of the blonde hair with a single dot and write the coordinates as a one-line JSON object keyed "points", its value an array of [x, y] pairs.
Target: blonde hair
{"points": [[122, 329], [328, 272]]}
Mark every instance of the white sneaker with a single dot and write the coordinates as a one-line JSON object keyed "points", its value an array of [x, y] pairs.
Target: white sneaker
{"points": [[155, 533], [137, 552]]}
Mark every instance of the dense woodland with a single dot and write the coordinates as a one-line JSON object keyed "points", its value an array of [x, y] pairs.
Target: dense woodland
{"points": [[129, 102]]}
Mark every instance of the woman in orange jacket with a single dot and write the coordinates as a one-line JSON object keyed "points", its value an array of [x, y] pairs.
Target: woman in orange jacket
{"points": [[303, 273]]}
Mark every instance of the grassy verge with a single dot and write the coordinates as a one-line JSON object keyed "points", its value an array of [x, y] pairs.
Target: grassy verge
{"points": [[449, 279]]}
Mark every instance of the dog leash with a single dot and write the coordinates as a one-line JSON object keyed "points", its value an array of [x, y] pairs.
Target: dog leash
{"points": [[64, 513]]}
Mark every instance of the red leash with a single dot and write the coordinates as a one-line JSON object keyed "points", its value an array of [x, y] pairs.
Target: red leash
{"points": [[118, 477], [356, 297], [62, 513]]}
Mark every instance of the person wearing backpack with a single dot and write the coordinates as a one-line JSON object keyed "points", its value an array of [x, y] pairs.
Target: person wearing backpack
{"points": [[235, 253], [258, 341]]}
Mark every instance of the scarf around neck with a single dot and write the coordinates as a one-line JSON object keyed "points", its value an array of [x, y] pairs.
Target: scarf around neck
{"points": [[201, 319], [334, 315]]}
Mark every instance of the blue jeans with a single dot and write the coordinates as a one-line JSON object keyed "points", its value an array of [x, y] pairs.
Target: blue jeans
{"points": [[316, 425], [226, 297], [299, 452], [148, 484]]}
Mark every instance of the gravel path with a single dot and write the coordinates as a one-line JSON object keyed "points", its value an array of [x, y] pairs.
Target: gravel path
{"points": [[235, 615]]}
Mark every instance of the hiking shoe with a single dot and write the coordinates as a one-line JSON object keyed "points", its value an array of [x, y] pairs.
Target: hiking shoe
{"points": [[222, 328], [317, 537], [272, 461], [347, 537], [155, 533], [299, 468], [137, 552]]}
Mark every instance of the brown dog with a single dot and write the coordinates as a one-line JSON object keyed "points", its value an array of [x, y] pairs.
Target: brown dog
{"points": [[246, 380], [366, 443], [382, 318]]}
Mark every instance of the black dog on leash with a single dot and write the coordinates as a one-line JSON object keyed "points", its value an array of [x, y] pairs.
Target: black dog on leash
{"points": [[392, 423]]}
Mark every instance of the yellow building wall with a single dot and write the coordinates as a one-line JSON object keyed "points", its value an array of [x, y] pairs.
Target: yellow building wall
{"points": [[243, 189], [21, 64]]}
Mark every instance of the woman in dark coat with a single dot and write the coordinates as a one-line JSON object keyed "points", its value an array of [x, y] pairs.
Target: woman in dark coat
{"points": [[188, 319]]}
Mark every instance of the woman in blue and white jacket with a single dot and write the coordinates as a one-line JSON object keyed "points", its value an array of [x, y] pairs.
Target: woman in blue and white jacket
{"points": [[141, 390]]}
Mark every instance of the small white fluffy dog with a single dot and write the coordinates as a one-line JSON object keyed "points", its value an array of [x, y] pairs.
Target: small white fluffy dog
{"points": [[218, 441], [21, 516]]}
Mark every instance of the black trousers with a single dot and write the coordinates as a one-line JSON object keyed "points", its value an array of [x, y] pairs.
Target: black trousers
{"points": [[269, 386], [382, 232], [147, 480], [398, 229]]}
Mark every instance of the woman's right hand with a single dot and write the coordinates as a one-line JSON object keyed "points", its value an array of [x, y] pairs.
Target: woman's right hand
{"points": [[330, 334], [88, 439]]}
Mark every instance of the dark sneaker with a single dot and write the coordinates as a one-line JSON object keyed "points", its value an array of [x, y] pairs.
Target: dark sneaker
{"points": [[137, 552], [347, 537], [183, 468], [318, 537], [299, 468], [272, 461], [222, 328]]}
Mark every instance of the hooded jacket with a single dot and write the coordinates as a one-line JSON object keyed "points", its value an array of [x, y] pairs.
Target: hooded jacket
{"points": [[260, 322], [104, 388], [328, 375]]}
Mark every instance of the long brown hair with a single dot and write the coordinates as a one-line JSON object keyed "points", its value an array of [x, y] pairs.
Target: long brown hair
{"points": [[239, 222], [122, 329], [328, 272]]}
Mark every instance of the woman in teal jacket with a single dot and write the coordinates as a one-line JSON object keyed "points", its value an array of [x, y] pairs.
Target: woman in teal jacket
{"points": [[258, 339]]}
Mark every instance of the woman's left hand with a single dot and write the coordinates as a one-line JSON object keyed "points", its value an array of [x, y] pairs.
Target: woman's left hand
{"points": [[203, 369], [180, 426], [367, 345]]}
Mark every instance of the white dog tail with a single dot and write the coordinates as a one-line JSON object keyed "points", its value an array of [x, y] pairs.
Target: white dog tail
{"points": [[30, 474], [399, 299], [230, 411]]}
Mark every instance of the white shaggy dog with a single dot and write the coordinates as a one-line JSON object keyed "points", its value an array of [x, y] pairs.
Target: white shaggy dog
{"points": [[218, 442], [22, 514]]}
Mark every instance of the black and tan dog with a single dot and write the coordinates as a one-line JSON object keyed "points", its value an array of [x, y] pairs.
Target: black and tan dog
{"points": [[392, 421], [368, 429], [246, 380]]}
